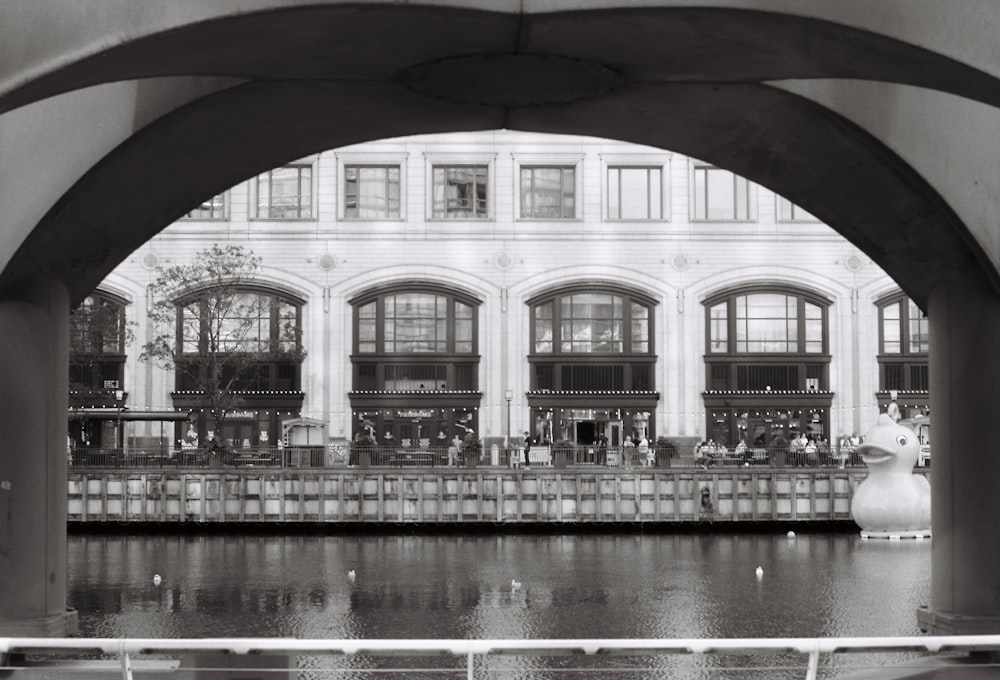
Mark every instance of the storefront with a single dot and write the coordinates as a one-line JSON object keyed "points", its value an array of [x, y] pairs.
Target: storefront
{"points": [[760, 418]]}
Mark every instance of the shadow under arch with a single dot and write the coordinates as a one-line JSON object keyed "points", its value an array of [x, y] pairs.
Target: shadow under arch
{"points": [[700, 93], [771, 137]]}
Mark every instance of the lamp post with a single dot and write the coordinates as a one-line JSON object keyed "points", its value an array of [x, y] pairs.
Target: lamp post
{"points": [[508, 395]]}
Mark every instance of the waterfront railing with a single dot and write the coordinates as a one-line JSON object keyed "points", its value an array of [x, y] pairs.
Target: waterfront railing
{"points": [[338, 456], [809, 658]]}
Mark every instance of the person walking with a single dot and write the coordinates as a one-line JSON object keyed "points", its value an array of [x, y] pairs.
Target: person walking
{"points": [[527, 449]]}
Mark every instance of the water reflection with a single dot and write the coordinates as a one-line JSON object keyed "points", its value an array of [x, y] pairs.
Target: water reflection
{"points": [[573, 586]]}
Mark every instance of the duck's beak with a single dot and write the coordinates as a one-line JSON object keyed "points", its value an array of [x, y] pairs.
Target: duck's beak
{"points": [[872, 454]]}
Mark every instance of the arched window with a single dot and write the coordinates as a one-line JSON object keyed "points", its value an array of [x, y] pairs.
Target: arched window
{"points": [[767, 365], [416, 365], [592, 364], [415, 322], [903, 345], [255, 332], [98, 334]]}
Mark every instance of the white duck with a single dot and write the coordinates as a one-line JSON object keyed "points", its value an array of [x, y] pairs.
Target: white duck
{"points": [[891, 499]]}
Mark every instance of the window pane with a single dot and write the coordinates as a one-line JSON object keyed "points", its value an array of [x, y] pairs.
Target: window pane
{"points": [[592, 322], [640, 328], [212, 209], [548, 193], [634, 193], [918, 329], [789, 212], [719, 328], [366, 327], [285, 193], [460, 192], [371, 192], [543, 328], [766, 322], [720, 195], [892, 329]]}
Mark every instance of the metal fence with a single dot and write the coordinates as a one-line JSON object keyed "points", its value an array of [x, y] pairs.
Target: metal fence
{"points": [[751, 658], [489, 456]]}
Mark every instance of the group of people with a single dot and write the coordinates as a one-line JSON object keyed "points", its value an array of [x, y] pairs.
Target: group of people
{"points": [[637, 446]]}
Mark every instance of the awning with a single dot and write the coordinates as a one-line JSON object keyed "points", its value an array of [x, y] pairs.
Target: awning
{"points": [[116, 414]]}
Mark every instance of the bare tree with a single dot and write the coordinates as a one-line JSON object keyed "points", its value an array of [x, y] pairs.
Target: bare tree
{"points": [[215, 331]]}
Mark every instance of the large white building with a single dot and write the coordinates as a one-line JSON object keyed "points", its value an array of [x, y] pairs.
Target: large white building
{"points": [[502, 281]]}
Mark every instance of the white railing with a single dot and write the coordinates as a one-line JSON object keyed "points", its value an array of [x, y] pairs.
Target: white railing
{"points": [[123, 657]]}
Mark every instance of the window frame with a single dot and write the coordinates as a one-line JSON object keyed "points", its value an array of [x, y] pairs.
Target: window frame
{"points": [[434, 160], [630, 364], [381, 160], [780, 201], [906, 361], [693, 195], [728, 298], [378, 298], [224, 217], [527, 160], [254, 193], [611, 162]]}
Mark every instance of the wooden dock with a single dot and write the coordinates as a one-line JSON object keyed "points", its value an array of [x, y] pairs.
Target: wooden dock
{"points": [[447, 495]]}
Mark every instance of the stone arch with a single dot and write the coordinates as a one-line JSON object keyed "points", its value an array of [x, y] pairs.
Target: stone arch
{"points": [[718, 106]]}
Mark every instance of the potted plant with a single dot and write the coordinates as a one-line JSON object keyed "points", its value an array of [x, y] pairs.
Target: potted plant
{"points": [[665, 450]]}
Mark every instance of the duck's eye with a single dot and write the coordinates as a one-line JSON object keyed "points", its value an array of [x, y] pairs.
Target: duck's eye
{"points": [[901, 440]]}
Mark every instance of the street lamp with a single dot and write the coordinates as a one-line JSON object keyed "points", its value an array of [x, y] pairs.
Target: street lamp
{"points": [[508, 395]]}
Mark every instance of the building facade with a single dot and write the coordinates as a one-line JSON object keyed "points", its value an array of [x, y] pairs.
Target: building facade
{"points": [[501, 282]]}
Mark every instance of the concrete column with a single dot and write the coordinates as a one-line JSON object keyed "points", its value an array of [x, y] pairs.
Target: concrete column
{"points": [[965, 469], [34, 377]]}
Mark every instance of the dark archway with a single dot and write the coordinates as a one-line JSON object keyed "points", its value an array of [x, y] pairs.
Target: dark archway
{"points": [[693, 80], [206, 95]]}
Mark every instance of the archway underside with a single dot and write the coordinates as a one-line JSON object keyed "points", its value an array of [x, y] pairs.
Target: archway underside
{"points": [[691, 80]]}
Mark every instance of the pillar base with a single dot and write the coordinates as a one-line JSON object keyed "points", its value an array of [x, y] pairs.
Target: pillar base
{"points": [[60, 625], [933, 622]]}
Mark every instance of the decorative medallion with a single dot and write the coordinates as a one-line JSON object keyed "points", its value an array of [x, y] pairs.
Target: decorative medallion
{"points": [[327, 262], [853, 263], [503, 261], [150, 261], [680, 262]]}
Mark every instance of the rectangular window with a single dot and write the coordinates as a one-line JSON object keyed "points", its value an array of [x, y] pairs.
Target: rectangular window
{"points": [[919, 330], [415, 322], [891, 329], [814, 328], [371, 192], [635, 193], [789, 212], [548, 192], [285, 193], [463, 328], [543, 328], [719, 328], [460, 192], [591, 323], [720, 195], [367, 323], [766, 323], [212, 209], [640, 328]]}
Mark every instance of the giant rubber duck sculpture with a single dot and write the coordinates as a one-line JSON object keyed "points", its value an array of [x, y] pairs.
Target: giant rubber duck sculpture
{"points": [[892, 502]]}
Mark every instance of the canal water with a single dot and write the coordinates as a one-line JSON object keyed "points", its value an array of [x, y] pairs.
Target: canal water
{"points": [[635, 585]]}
